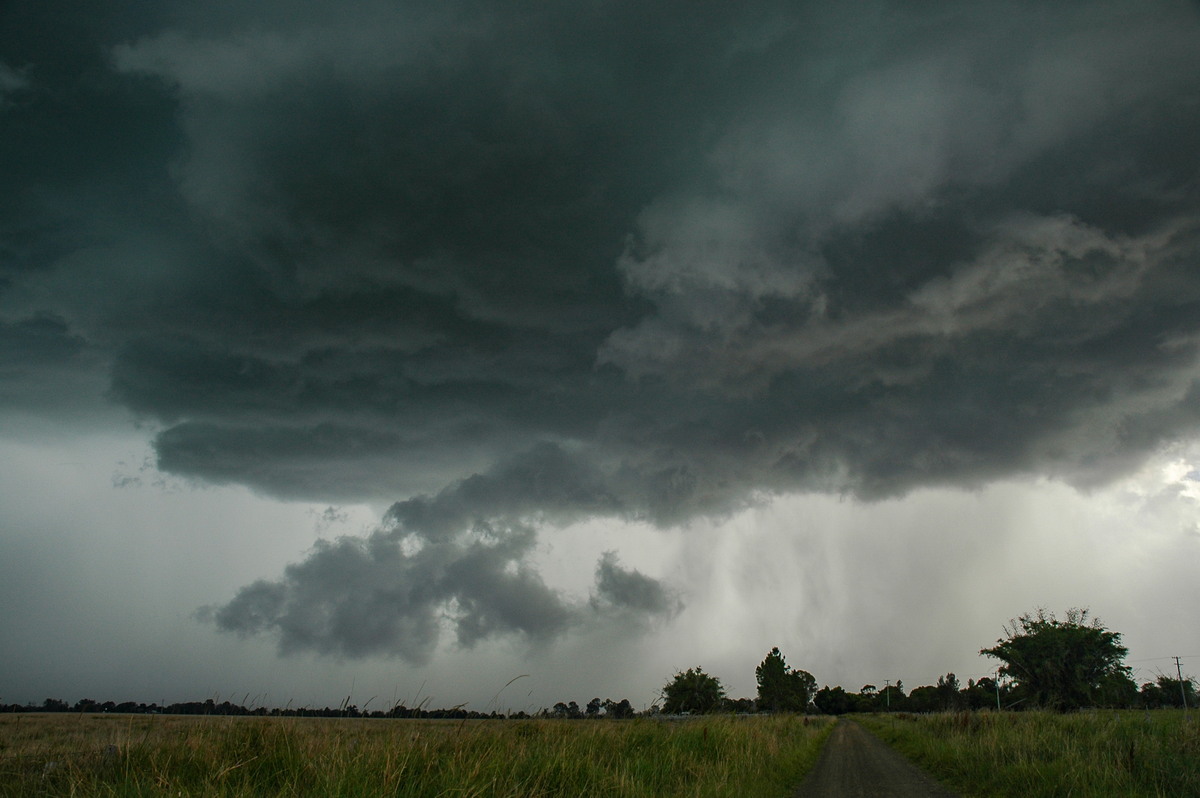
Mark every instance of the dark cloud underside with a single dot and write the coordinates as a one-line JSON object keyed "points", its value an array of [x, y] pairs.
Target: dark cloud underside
{"points": [[525, 265]]}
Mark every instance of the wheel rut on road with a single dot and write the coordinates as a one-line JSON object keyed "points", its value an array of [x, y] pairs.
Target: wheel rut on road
{"points": [[857, 764]]}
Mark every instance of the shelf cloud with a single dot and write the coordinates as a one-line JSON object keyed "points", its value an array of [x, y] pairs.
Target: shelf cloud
{"points": [[511, 268]]}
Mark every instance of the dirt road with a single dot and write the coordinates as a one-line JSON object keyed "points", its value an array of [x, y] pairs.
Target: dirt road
{"points": [[856, 763]]}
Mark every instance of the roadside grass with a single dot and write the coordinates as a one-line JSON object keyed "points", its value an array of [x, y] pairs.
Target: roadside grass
{"points": [[1035, 754], [137, 755]]}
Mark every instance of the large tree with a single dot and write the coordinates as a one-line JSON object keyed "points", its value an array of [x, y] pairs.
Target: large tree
{"points": [[692, 691], [781, 689], [1064, 664]]}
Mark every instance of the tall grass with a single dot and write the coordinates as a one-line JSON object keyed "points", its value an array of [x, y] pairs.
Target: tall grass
{"points": [[1034, 754], [137, 755]]}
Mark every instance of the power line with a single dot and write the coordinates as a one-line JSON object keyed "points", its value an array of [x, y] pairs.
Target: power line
{"points": [[1160, 659]]}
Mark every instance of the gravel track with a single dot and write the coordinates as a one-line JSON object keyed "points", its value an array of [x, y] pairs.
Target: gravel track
{"points": [[857, 764]]}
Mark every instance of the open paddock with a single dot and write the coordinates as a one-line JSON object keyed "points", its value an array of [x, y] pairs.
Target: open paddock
{"points": [[1128, 753], [103, 754]]}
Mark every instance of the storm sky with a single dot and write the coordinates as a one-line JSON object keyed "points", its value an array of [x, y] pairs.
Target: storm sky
{"points": [[403, 348]]}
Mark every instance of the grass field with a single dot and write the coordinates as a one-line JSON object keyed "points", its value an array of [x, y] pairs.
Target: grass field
{"points": [[130, 755], [1035, 754]]}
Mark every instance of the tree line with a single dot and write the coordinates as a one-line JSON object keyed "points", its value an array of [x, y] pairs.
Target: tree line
{"points": [[211, 707], [1046, 663]]}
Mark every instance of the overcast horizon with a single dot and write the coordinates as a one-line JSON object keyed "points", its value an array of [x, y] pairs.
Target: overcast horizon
{"points": [[403, 349]]}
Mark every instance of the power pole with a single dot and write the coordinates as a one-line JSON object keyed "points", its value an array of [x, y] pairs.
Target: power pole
{"points": [[1182, 692], [887, 693], [998, 690]]}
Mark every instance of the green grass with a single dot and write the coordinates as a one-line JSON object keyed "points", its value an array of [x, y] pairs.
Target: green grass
{"points": [[1035, 754], [139, 755]]}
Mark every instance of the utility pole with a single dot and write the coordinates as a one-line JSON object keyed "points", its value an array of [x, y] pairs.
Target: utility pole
{"points": [[887, 683], [1182, 692], [998, 690]]}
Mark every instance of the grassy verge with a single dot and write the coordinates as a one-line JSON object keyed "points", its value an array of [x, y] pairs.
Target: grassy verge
{"points": [[1034, 754], [139, 755]]}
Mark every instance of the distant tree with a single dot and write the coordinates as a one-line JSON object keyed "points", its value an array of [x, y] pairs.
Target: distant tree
{"points": [[781, 689], [618, 709], [944, 697], [593, 708], [924, 699], [1168, 692], [1064, 664], [692, 691], [739, 706], [865, 700], [982, 694], [949, 697], [834, 700], [872, 699]]}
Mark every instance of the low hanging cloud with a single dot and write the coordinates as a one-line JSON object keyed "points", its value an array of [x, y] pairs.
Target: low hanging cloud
{"points": [[435, 564], [357, 597], [522, 267], [618, 587]]}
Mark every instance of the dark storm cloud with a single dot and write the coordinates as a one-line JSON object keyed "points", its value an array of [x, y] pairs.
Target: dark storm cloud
{"points": [[12, 82], [44, 365], [629, 588], [38, 340], [545, 482], [610, 259]]}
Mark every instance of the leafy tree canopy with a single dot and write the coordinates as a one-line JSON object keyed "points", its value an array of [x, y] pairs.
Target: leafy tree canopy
{"points": [[1062, 665], [781, 689], [1169, 692], [618, 709], [692, 691], [835, 700]]}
